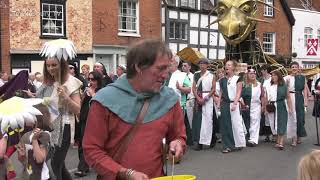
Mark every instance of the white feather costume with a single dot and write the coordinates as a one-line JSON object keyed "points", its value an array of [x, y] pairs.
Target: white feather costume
{"points": [[16, 111]]}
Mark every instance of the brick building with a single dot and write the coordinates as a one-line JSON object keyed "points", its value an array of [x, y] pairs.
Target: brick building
{"points": [[119, 23], [4, 36], [276, 36], [27, 25]]}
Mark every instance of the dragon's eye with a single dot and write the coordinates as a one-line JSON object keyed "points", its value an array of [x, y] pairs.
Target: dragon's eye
{"points": [[221, 11], [246, 8]]}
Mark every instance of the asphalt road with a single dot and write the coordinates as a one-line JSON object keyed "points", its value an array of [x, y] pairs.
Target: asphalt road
{"points": [[263, 162]]}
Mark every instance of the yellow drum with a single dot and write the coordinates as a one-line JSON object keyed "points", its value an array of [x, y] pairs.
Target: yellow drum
{"points": [[177, 177]]}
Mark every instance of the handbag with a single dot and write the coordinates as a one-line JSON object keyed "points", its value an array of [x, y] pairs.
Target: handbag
{"points": [[270, 107]]}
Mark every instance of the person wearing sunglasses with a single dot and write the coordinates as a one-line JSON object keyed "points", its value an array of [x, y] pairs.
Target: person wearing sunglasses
{"points": [[95, 84]]}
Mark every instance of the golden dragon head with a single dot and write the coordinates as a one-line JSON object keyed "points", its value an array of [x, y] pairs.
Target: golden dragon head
{"points": [[236, 19]]}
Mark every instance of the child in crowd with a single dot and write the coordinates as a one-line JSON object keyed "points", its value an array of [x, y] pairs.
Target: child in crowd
{"points": [[34, 146]]}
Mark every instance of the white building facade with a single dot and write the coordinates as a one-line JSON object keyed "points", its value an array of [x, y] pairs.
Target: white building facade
{"points": [[307, 26], [185, 24]]}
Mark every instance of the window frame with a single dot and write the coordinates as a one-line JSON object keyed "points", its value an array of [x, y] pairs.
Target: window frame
{"points": [[267, 8], [126, 32], [273, 43], [180, 23], [306, 35], [64, 26], [188, 4]]}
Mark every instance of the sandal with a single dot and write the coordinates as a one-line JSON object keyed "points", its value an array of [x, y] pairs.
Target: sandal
{"points": [[281, 147], [226, 150], [299, 141]]}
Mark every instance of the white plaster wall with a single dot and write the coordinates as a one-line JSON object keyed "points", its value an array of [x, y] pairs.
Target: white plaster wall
{"points": [[215, 25], [173, 47], [222, 41], [173, 14], [194, 20], [182, 46], [204, 21], [213, 38], [163, 32], [304, 19], [204, 38], [204, 51], [212, 53], [163, 15], [193, 37], [221, 54], [184, 15]]}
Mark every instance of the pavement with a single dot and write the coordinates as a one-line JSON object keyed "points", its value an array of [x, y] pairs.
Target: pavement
{"points": [[262, 162]]}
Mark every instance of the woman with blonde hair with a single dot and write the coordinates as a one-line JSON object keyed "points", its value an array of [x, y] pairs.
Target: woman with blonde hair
{"points": [[231, 124], [309, 165], [252, 94]]}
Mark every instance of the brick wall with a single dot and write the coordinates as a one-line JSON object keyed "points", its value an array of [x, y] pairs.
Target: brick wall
{"points": [[5, 45], [25, 25], [105, 22], [280, 25]]}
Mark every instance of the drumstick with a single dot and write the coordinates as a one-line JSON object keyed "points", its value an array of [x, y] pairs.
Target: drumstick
{"points": [[172, 171]]}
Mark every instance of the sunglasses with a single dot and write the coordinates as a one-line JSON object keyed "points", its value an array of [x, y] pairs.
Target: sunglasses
{"points": [[91, 79]]}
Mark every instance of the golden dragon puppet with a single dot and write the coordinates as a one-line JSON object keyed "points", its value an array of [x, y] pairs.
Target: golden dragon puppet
{"points": [[237, 23]]}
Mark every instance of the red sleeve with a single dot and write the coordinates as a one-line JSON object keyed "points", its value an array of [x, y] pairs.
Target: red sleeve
{"points": [[177, 129], [95, 137]]}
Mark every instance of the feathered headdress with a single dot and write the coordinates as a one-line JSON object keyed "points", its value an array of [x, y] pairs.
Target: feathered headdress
{"points": [[60, 48], [15, 111]]}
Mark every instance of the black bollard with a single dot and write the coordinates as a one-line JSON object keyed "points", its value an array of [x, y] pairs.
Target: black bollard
{"points": [[316, 117]]}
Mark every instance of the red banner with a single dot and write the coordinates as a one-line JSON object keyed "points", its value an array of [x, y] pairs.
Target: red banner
{"points": [[312, 47]]}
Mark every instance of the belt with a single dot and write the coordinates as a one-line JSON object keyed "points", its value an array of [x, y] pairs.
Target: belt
{"points": [[204, 91], [295, 92]]}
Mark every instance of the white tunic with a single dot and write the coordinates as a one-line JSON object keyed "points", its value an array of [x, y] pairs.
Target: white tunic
{"points": [[272, 117], [238, 127], [292, 118], [207, 110], [255, 113]]}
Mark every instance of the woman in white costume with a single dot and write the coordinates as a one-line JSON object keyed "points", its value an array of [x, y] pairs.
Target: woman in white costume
{"points": [[252, 94], [231, 125]]}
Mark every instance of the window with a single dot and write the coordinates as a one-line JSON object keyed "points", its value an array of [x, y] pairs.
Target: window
{"points": [[188, 3], [171, 2], [307, 35], [268, 11], [269, 43], [178, 30], [53, 19], [128, 16]]}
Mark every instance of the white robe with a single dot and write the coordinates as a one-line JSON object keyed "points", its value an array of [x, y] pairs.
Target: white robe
{"points": [[238, 127], [207, 111], [292, 118], [255, 114], [266, 84], [179, 77], [272, 117]]}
